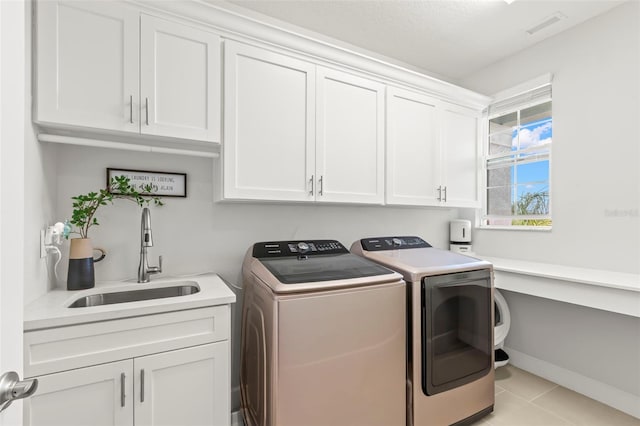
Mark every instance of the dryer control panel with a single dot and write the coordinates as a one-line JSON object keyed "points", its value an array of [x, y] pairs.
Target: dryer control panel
{"points": [[297, 248], [393, 243]]}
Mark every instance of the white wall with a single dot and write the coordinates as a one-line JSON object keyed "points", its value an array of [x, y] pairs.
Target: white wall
{"points": [[595, 171], [197, 235], [595, 180], [40, 192]]}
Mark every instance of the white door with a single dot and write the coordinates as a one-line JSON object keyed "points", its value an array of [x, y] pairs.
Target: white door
{"points": [[268, 125], [350, 138], [187, 387], [87, 64], [179, 81], [101, 395], [12, 124], [413, 149], [460, 144]]}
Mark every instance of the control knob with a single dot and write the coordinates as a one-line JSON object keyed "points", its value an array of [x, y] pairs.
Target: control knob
{"points": [[303, 248], [397, 242]]}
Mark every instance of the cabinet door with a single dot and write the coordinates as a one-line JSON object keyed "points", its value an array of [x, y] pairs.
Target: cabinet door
{"points": [[460, 143], [350, 138], [186, 387], [87, 64], [179, 80], [268, 125], [97, 396], [413, 149]]}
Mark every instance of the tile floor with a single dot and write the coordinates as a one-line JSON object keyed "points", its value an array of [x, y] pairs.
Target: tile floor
{"points": [[523, 399]]}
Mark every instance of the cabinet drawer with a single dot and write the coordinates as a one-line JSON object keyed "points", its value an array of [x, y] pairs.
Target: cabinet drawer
{"points": [[65, 348]]}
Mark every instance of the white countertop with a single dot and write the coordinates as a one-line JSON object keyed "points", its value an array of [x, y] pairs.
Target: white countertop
{"points": [[610, 291], [597, 277], [51, 310]]}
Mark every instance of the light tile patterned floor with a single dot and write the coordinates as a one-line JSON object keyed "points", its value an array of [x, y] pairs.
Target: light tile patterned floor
{"points": [[523, 399]]}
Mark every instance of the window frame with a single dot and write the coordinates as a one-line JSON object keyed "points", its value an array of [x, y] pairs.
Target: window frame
{"points": [[516, 101]]}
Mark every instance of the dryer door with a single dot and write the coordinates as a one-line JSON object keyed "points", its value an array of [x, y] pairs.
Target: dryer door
{"points": [[457, 329]]}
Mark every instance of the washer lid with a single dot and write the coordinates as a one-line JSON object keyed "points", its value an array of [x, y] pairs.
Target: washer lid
{"points": [[293, 270]]}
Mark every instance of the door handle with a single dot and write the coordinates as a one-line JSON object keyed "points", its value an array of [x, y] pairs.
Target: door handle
{"points": [[311, 180], [321, 191], [146, 109], [131, 109], [122, 391], [12, 388], [445, 194], [440, 193], [142, 385]]}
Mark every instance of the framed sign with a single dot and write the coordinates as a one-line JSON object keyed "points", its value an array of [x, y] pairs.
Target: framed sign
{"points": [[162, 184]]}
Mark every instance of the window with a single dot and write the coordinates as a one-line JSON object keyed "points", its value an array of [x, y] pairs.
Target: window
{"points": [[518, 161]]}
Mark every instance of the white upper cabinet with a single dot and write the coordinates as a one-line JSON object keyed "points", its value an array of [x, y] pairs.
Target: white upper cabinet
{"points": [[459, 133], [87, 65], [413, 149], [350, 138], [269, 144], [295, 131], [179, 80], [432, 151], [104, 66]]}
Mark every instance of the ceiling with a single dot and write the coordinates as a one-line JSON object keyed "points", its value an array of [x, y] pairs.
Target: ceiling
{"points": [[450, 39]]}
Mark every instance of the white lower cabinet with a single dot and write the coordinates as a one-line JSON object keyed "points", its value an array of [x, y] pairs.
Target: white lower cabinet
{"points": [[148, 386], [98, 396], [186, 387]]}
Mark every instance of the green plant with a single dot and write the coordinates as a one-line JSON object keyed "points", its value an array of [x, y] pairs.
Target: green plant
{"points": [[85, 206], [532, 203]]}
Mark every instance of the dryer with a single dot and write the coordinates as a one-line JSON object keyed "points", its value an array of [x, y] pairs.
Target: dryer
{"points": [[450, 372], [323, 337]]}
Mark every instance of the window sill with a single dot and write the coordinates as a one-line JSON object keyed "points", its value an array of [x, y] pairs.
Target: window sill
{"points": [[606, 290], [517, 228]]}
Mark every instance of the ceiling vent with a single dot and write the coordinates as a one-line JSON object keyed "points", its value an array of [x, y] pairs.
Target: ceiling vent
{"points": [[556, 17]]}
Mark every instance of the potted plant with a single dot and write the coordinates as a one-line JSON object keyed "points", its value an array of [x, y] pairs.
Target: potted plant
{"points": [[81, 260]]}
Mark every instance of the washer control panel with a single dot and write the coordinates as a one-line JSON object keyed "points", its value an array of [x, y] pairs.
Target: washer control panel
{"points": [[297, 248], [393, 243]]}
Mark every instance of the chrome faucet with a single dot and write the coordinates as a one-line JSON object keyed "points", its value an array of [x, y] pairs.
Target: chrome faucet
{"points": [[146, 240]]}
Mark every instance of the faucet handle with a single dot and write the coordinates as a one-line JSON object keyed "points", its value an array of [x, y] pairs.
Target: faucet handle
{"points": [[155, 269]]}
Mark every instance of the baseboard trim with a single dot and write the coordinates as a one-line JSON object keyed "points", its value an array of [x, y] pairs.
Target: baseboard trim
{"points": [[607, 394]]}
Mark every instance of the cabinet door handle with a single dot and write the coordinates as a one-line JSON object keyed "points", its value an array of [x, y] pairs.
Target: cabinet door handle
{"points": [[321, 181], [311, 180], [445, 194], [146, 109], [131, 109], [142, 385], [440, 193], [122, 380]]}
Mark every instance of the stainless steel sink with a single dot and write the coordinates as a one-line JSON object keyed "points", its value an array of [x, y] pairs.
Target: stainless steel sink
{"points": [[135, 295]]}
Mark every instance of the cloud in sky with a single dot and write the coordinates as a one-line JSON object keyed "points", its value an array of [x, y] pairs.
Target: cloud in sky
{"points": [[534, 135]]}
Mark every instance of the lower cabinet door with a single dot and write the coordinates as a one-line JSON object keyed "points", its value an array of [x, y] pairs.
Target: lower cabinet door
{"points": [[184, 387], [97, 396]]}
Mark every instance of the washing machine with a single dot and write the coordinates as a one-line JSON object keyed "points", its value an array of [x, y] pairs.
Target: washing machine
{"points": [[450, 370], [323, 337]]}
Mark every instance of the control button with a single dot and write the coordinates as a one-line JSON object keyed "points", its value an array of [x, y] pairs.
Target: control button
{"points": [[303, 247], [397, 242]]}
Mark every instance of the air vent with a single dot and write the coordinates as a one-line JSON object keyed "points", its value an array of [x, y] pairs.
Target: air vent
{"points": [[556, 17]]}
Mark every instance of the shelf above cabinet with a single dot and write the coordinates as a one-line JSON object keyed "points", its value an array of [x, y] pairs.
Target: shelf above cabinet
{"points": [[212, 152]]}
